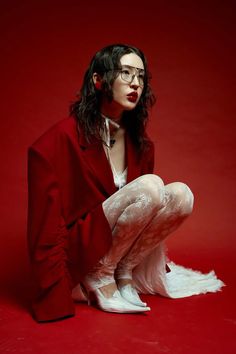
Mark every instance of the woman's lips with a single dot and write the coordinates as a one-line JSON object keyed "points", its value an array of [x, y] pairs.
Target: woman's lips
{"points": [[132, 96]]}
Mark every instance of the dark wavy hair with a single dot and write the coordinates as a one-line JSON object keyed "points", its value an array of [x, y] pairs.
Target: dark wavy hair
{"points": [[86, 109]]}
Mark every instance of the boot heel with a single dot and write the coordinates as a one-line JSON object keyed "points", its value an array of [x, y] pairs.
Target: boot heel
{"points": [[91, 298]]}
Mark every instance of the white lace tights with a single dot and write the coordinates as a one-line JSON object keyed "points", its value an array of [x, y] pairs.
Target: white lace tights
{"points": [[141, 214]]}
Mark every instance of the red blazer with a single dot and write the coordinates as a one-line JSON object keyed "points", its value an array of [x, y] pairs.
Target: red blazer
{"points": [[68, 180]]}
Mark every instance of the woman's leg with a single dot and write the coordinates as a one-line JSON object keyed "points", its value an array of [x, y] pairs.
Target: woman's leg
{"points": [[178, 205], [128, 212]]}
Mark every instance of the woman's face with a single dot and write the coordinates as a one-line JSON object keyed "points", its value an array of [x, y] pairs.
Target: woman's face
{"points": [[128, 86]]}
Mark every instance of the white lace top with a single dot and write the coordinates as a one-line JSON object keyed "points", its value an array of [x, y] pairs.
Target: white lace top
{"points": [[120, 178]]}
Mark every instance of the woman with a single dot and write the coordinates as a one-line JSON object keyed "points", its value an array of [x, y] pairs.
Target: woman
{"points": [[97, 213]]}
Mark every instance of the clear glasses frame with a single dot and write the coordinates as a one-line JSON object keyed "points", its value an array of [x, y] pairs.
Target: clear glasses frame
{"points": [[127, 74]]}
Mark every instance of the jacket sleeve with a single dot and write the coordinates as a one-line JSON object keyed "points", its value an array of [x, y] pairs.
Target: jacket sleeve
{"points": [[47, 242]]}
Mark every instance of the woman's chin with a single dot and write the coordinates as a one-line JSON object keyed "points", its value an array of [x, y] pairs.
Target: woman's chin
{"points": [[130, 106]]}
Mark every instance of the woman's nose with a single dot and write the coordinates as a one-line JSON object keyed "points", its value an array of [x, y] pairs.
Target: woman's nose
{"points": [[135, 81], [134, 86]]}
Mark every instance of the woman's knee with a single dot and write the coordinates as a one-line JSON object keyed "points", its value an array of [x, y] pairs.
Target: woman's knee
{"points": [[182, 195], [153, 188]]}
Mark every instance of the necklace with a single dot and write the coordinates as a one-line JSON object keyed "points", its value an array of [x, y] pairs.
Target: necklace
{"points": [[110, 139], [119, 178]]}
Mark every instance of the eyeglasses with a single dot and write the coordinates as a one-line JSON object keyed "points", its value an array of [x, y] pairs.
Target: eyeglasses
{"points": [[128, 74]]}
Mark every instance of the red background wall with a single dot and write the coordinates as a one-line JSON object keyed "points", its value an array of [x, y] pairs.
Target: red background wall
{"points": [[45, 49]]}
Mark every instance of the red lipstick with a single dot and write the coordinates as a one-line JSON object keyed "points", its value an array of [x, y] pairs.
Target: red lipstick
{"points": [[132, 96]]}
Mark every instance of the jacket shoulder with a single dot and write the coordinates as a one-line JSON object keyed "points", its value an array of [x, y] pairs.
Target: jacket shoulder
{"points": [[56, 136]]}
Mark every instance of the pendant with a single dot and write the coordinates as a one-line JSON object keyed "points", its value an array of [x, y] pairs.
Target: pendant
{"points": [[112, 142]]}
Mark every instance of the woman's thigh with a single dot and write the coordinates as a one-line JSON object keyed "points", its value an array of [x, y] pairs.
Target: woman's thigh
{"points": [[144, 192]]}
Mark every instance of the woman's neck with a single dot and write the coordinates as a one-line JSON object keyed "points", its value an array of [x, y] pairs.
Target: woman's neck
{"points": [[111, 121], [111, 112], [114, 118]]}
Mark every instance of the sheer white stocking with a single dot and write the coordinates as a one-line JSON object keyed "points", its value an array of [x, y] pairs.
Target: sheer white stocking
{"points": [[140, 215], [178, 205]]}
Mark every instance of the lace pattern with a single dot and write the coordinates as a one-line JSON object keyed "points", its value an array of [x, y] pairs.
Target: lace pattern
{"points": [[141, 215]]}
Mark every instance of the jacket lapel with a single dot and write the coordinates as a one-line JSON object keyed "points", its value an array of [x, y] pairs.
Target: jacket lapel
{"points": [[94, 156]]}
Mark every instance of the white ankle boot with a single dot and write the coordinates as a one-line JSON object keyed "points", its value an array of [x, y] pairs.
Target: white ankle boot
{"points": [[130, 294], [115, 303]]}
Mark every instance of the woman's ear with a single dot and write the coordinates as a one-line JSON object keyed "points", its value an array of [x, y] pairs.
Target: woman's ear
{"points": [[97, 80]]}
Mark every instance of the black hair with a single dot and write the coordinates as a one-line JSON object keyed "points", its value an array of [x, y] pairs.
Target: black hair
{"points": [[86, 108]]}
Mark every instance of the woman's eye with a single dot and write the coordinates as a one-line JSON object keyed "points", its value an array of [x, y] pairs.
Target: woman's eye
{"points": [[126, 72]]}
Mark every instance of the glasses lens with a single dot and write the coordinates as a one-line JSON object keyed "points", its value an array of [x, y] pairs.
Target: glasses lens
{"points": [[128, 75], [141, 79]]}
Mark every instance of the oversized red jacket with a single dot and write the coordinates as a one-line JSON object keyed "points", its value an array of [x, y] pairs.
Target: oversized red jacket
{"points": [[68, 233]]}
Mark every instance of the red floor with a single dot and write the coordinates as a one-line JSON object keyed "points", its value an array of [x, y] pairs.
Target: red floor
{"points": [[190, 46], [203, 324]]}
